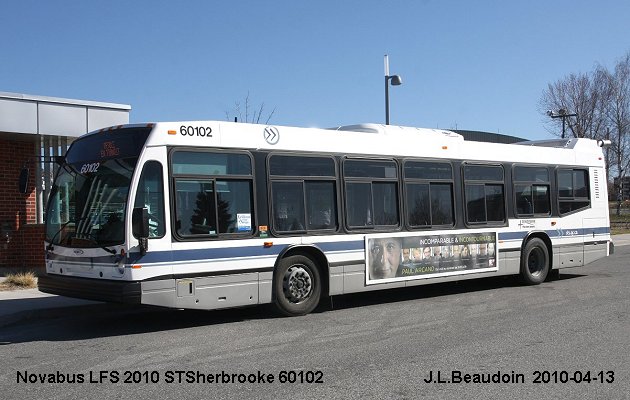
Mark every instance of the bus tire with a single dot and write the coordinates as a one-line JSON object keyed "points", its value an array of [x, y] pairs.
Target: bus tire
{"points": [[297, 286], [534, 262]]}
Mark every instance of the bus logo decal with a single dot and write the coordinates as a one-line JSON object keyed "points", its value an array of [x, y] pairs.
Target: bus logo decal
{"points": [[271, 134]]}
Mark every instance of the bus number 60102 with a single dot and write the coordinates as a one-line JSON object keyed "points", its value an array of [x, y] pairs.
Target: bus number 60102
{"points": [[195, 131]]}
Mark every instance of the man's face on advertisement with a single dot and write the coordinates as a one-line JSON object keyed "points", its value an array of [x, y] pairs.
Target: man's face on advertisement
{"points": [[384, 258]]}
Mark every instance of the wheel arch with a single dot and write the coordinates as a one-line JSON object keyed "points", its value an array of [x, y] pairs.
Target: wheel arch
{"points": [[315, 254], [545, 238]]}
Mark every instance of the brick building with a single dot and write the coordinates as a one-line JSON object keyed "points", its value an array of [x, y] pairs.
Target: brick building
{"points": [[33, 129]]}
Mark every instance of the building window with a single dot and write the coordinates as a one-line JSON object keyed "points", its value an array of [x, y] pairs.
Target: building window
{"points": [[47, 148]]}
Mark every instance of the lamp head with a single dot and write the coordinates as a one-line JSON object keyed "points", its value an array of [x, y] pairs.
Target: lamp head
{"points": [[396, 80]]}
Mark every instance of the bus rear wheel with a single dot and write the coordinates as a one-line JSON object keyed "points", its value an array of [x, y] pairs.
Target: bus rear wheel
{"points": [[297, 286], [534, 262]]}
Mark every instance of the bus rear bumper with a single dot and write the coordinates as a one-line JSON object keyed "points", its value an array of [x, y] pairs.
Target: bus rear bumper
{"points": [[91, 289]]}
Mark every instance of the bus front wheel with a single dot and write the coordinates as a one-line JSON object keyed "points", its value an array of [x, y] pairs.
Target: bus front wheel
{"points": [[297, 285], [534, 262]]}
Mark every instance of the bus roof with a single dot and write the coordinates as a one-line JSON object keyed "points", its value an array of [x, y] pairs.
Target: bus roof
{"points": [[372, 140]]}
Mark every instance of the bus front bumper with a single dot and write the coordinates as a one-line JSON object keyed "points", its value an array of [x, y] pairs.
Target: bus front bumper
{"points": [[91, 289]]}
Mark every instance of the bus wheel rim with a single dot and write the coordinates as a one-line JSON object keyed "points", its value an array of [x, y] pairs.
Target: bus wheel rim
{"points": [[297, 284]]}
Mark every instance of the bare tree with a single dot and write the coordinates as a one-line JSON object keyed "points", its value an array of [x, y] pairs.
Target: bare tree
{"points": [[246, 112], [580, 94], [617, 111], [602, 101]]}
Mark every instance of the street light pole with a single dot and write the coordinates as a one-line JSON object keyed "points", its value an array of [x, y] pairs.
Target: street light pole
{"points": [[395, 81], [561, 113], [386, 99]]}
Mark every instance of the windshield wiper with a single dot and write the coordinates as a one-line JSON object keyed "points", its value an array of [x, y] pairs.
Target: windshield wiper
{"points": [[50, 245], [110, 251]]}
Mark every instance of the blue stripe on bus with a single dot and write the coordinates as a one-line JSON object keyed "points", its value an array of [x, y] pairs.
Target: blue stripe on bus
{"points": [[511, 235], [204, 254], [234, 252], [557, 233], [341, 246]]}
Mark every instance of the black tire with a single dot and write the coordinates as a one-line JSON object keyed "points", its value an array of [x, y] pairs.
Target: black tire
{"points": [[534, 262], [296, 286]]}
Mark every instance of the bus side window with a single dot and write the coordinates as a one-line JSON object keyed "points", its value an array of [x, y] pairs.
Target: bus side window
{"points": [[573, 190], [150, 195], [532, 191], [359, 204], [288, 206], [321, 205], [484, 194], [303, 193], [371, 188]]}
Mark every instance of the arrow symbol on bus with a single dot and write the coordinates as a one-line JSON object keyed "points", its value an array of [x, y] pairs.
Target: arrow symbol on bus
{"points": [[272, 135]]}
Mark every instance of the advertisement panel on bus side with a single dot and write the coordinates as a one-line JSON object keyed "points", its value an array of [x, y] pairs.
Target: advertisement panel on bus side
{"points": [[396, 258]]}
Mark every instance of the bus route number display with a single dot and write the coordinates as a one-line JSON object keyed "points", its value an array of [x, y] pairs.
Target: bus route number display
{"points": [[189, 130]]}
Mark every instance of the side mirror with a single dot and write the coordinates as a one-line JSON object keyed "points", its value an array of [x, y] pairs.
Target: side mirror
{"points": [[140, 227], [23, 186]]}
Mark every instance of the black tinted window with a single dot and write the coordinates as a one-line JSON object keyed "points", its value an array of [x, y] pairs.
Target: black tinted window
{"points": [[573, 190], [301, 166], [427, 170], [483, 173], [370, 169], [211, 164], [484, 194], [531, 174], [304, 193], [475, 203], [207, 207]]}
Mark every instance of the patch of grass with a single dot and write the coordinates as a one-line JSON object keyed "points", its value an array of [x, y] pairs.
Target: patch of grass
{"points": [[20, 280], [619, 224], [619, 218]]}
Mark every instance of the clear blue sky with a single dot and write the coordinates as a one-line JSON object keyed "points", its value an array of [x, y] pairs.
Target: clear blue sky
{"points": [[479, 65]]}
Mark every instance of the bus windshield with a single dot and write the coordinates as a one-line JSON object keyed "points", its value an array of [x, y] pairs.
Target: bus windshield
{"points": [[88, 201]]}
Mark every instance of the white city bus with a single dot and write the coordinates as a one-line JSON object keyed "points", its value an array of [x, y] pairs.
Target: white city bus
{"points": [[211, 215]]}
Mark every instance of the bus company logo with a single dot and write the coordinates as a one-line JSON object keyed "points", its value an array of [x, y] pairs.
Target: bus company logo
{"points": [[527, 224], [272, 135]]}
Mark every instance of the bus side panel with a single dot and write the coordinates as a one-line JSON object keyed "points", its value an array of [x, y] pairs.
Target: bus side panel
{"points": [[510, 262], [354, 280], [336, 280], [208, 293], [595, 240], [571, 255], [265, 287]]}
